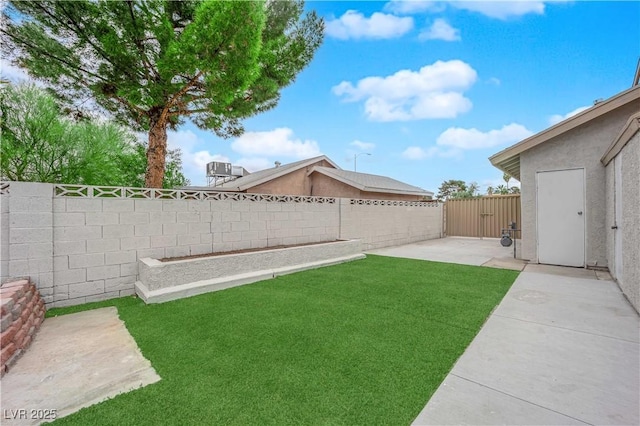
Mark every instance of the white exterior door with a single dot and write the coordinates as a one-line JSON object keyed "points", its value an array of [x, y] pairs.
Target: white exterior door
{"points": [[617, 234], [561, 217]]}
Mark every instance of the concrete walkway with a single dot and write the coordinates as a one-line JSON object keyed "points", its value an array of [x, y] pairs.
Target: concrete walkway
{"points": [[465, 251], [561, 348], [75, 361]]}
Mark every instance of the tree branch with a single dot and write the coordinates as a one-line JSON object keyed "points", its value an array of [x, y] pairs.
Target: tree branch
{"points": [[147, 65], [49, 55]]}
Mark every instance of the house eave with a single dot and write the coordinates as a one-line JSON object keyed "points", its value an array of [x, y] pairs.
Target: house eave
{"points": [[508, 160], [628, 131]]}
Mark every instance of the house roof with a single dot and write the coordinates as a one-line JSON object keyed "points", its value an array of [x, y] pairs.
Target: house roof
{"points": [[508, 160], [628, 131], [266, 175], [371, 183]]}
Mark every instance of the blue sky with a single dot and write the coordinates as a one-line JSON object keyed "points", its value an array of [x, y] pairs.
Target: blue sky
{"points": [[432, 89]]}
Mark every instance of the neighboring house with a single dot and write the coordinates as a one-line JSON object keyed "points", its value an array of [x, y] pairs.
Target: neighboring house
{"points": [[580, 184], [319, 176]]}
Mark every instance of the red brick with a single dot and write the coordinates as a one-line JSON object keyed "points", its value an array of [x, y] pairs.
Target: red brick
{"points": [[31, 331], [10, 293], [26, 342], [25, 314], [29, 295], [6, 305], [6, 336], [39, 321], [6, 352], [5, 322], [30, 306], [19, 283], [19, 337]]}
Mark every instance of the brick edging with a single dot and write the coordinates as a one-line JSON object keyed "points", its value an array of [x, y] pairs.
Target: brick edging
{"points": [[22, 311]]}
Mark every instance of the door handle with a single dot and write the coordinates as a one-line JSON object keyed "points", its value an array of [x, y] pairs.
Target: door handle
{"points": [[614, 227], [580, 213]]}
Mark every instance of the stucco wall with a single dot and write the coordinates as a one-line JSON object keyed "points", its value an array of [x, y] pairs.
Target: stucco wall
{"points": [[83, 243], [324, 186], [630, 228], [631, 221], [294, 183], [610, 216], [579, 148]]}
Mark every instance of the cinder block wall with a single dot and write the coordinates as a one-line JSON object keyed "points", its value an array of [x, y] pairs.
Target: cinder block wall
{"points": [[388, 223], [80, 247]]}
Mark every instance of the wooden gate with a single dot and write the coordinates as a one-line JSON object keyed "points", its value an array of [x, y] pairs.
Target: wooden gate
{"points": [[482, 217]]}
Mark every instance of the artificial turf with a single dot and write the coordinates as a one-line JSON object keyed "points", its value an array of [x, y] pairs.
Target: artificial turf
{"points": [[365, 342]]}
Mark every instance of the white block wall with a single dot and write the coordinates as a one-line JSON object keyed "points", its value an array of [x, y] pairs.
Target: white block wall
{"points": [[389, 225], [83, 249]]}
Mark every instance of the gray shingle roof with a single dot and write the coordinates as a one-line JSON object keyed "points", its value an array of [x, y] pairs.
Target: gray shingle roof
{"points": [[372, 183], [261, 176]]}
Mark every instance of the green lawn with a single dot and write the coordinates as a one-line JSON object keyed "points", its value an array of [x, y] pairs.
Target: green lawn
{"points": [[366, 342]]}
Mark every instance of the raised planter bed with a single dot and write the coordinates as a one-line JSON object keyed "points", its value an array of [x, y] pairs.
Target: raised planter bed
{"points": [[170, 280]]}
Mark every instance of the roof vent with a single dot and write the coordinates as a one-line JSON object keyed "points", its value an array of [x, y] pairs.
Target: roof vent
{"points": [[597, 101], [278, 164]]}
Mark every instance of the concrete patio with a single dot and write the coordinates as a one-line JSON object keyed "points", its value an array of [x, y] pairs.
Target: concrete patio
{"points": [[561, 348], [76, 360], [465, 251]]}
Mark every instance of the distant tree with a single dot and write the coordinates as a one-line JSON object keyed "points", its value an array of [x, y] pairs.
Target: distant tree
{"points": [[506, 177], [514, 190], [501, 190], [154, 64], [450, 187], [40, 144], [470, 192], [490, 190]]}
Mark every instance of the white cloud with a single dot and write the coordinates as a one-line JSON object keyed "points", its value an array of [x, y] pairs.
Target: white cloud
{"points": [[495, 81], [201, 158], [494, 9], [411, 6], [194, 160], [419, 153], [254, 164], [355, 25], [556, 118], [475, 139], [435, 91], [363, 146], [502, 9], [440, 30], [277, 142]]}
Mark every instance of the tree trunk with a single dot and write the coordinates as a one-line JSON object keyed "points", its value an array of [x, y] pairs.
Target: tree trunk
{"points": [[156, 152]]}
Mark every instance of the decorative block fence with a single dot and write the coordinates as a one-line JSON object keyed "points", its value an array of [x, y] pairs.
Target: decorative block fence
{"points": [[22, 314], [82, 243]]}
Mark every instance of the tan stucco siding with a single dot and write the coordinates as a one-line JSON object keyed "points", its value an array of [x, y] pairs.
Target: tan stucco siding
{"points": [[579, 148], [294, 183], [324, 186]]}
